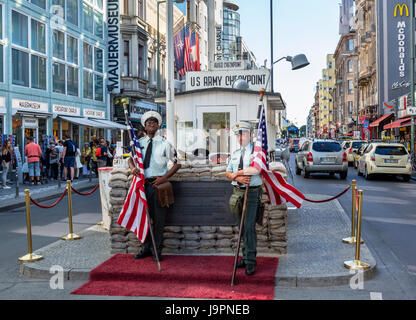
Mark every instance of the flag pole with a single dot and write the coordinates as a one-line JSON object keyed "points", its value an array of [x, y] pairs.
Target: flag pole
{"points": [[147, 211], [239, 234]]}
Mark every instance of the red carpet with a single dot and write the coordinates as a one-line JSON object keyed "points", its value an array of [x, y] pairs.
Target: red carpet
{"points": [[201, 277]]}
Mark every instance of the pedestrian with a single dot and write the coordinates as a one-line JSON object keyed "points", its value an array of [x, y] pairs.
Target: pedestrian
{"points": [[53, 161], [94, 160], [85, 159], [101, 153], [70, 150], [34, 154], [240, 160], [60, 147], [156, 153], [78, 164], [6, 160], [25, 171], [110, 154]]}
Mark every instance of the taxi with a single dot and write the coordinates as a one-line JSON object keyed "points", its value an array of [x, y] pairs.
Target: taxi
{"points": [[385, 158]]}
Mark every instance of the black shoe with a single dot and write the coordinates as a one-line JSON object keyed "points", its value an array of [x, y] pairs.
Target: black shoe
{"points": [[241, 264], [250, 269], [142, 255]]}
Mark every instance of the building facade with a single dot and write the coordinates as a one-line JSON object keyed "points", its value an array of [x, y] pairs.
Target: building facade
{"points": [[53, 69], [326, 98], [345, 103], [366, 30]]}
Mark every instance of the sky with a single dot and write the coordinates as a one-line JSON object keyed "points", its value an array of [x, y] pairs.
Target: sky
{"points": [[300, 26]]}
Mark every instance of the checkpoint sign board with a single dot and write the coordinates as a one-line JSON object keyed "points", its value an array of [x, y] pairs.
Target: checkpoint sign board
{"points": [[256, 79]]}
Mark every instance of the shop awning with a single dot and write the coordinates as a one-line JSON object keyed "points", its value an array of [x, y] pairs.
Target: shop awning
{"points": [[112, 124], [379, 120], [396, 124], [85, 122], [406, 124]]}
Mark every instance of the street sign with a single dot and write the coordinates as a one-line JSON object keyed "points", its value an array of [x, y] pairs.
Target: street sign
{"points": [[411, 111]]}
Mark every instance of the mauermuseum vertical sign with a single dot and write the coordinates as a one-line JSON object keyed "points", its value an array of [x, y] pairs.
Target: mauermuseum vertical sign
{"points": [[113, 45]]}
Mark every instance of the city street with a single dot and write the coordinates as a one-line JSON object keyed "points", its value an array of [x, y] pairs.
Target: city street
{"points": [[389, 225]]}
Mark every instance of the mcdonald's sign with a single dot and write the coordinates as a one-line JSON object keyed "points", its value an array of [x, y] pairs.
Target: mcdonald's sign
{"points": [[401, 8]]}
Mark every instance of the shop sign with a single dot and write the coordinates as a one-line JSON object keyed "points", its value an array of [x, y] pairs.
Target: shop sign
{"points": [[139, 108], [411, 111], [94, 113], [25, 105], [366, 123], [113, 45], [31, 123], [218, 42], [256, 79], [228, 65], [69, 110], [357, 135]]}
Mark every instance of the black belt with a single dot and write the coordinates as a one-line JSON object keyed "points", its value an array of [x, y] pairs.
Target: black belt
{"points": [[150, 180], [249, 188]]}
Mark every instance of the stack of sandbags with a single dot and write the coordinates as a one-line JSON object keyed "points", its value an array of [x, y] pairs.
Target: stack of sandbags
{"points": [[208, 236], [191, 239], [218, 172], [172, 238], [225, 239], [277, 227]]}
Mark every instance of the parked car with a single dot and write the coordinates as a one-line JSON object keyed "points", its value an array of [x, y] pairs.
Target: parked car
{"points": [[357, 153], [385, 158], [350, 147], [294, 145], [322, 156]]}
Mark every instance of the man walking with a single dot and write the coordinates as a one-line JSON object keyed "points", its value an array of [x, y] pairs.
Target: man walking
{"points": [[102, 154], [240, 160], [70, 151], [33, 154], [156, 153]]}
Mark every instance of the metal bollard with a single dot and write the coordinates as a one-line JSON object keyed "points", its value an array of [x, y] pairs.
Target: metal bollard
{"points": [[71, 235], [30, 257], [357, 264], [352, 238]]}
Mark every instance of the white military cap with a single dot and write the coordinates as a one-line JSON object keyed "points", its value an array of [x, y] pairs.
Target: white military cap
{"points": [[151, 114], [242, 126]]}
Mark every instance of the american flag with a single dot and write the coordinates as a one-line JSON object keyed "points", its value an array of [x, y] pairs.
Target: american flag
{"points": [[276, 186], [133, 216], [186, 51]]}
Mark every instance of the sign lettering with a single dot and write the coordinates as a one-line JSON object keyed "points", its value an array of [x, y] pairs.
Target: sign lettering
{"points": [[113, 45]]}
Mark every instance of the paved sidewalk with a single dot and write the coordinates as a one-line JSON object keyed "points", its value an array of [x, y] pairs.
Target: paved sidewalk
{"points": [[42, 192], [316, 253]]}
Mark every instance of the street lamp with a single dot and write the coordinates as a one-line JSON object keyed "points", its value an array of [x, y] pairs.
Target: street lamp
{"points": [[357, 98]]}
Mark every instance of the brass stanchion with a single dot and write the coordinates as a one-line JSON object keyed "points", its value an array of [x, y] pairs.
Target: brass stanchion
{"points": [[71, 235], [357, 264], [352, 238], [30, 257]]}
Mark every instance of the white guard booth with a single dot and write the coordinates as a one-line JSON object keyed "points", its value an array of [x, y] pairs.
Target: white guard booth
{"points": [[205, 118]]}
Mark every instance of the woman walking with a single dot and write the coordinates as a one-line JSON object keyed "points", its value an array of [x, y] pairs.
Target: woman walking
{"points": [[6, 158], [85, 159]]}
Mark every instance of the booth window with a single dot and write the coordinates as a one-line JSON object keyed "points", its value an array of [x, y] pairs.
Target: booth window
{"points": [[92, 14]]}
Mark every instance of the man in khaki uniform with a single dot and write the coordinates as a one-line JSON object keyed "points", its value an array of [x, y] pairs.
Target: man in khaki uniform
{"points": [[240, 160]]}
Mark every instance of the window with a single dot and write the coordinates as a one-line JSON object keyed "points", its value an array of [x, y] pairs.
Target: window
{"points": [[350, 107], [141, 9], [65, 64], [350, 68], [72, 11], [350, 86], [126, 7], [88, 20], [1, 47], [126, 59], [93, 77], [98, 24], [351, 45], [142, 62], [28, 52], [39, 3]]}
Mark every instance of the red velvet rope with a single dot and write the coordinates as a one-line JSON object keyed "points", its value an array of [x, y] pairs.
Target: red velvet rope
{"points": [[327, 200], [85, 194], [52, 205]]}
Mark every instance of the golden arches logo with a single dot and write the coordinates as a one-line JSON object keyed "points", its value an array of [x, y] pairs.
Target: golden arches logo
{"points": [[401, 8]]}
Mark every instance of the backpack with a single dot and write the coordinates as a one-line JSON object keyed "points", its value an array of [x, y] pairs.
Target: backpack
{"points": [[98, 152], [71, 147]]}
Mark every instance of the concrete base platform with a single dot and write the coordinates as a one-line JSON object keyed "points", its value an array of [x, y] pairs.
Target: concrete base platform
{"points": [[315, 259]]}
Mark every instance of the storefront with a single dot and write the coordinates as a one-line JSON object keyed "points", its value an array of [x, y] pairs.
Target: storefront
{"points": [[30, 119]]}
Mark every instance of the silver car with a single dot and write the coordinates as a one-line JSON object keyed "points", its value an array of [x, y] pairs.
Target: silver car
{"points": [[322, 156]]}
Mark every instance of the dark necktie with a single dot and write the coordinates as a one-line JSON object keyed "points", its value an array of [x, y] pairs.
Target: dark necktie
{"points": [[241, 165], [148, 154]]}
